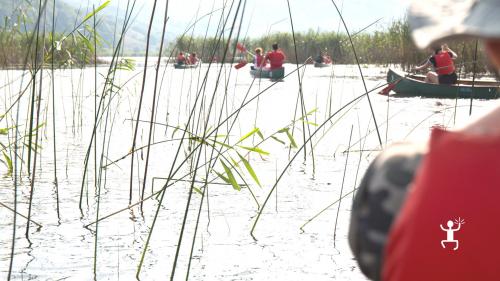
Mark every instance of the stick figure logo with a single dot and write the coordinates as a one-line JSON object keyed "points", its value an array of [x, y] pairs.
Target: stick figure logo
{"points": [[450, 232]]}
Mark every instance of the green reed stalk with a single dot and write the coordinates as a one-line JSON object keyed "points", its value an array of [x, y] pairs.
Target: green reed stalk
{"points": [[302, 101], [300, 149], [360, 71], [140, 99], [173, 171], [54, 105], [341, 190], [209, 111], [33, 93], [109, 78], [32, 188], [151, 129]]}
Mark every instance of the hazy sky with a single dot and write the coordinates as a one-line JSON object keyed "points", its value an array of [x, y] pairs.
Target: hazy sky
{"points": [[264, 15]]}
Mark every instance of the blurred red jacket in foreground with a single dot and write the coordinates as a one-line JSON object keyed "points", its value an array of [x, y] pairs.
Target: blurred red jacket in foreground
{"points": [[459, 177]]}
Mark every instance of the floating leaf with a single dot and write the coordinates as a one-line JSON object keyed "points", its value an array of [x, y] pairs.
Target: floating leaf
{"points": [[222, 177], [260, 134], [197, 190], [223, 144], [234, 162], [230, 176], [283, 130], [292, 140], [255, 149], [94, 12], [175, 130], [250, 169], [5, 131], [255, 130], [278, 140], [9, 162]]}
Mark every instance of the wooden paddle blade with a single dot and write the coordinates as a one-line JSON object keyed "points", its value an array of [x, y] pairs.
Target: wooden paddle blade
{"points": [[241, 64], [240, 47], [385, 91]]}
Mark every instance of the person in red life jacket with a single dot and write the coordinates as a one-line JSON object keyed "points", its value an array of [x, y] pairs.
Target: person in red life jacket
{"points": [[181, 59], [276, 57], [442, 61], [427, 211], [327, 59], [258, 60], [193, 59]]}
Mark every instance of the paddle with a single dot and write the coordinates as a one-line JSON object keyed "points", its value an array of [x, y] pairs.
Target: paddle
{"points": [[385, 91], [242, 49], [241, 64]]}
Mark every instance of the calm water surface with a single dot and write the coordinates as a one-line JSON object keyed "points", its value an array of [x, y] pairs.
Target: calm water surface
{"points": [[63, 249]]}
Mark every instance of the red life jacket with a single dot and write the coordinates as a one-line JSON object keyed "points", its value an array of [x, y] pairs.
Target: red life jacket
{"points": [[444, 63], [259, 61], [193, 60], [276, 59], [459, 177], [181, 58]]}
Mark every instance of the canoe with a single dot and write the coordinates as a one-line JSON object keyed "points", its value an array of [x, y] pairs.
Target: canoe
{"points": [[185, 66], [413, 85], [278, 73], [321, 64]]}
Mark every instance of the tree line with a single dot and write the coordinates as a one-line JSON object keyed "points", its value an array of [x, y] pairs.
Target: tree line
{"points": [[390, 46]]}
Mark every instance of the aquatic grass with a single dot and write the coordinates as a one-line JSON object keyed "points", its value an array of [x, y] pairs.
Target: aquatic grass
{"points": [[108, 87], [139, 108], [190, 153], [360, 71], [341, 190], [209, 111], [153, 106], [162, 194], [301, 95], [252, 231], [32, 110]]}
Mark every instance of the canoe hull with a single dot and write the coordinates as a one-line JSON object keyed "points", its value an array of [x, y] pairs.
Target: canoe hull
{"points": [[278, 73], [320, 65], [412, 86], [185, 66]]}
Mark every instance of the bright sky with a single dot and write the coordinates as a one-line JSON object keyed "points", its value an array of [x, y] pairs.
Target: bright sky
{"points": [[264, 15]]}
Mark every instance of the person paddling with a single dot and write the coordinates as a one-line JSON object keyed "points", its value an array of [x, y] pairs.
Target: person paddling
{"points": [[181, 59], [276, 57], [193, 59], [442, 61], [258, 60]]}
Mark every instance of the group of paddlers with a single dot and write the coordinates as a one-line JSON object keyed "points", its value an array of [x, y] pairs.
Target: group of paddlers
{"points": [[324, 58], [191, 59], [275, 58]]}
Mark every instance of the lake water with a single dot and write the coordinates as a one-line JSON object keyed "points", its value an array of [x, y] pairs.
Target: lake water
{"points": [[64, 249]]}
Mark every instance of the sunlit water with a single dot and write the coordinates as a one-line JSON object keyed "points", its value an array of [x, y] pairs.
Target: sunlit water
{"points": [[63, 249]]}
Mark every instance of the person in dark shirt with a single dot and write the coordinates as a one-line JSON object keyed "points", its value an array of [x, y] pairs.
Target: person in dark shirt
{"points": [[442, 61]]}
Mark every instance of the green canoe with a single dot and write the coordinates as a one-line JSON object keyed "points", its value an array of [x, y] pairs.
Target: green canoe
{"points": [[185, 66], [278, 73], [321, 64], [413, 85]]}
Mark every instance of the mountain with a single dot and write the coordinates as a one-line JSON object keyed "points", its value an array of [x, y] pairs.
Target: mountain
{"points": [[69, 13]]}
